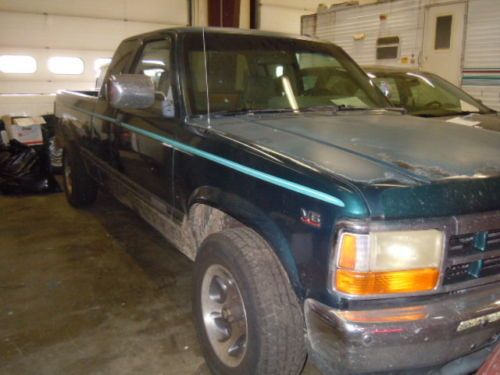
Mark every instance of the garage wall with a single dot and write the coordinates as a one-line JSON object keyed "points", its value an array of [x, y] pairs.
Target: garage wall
{"points": [[272, 15], [89, 30], [284, 15], [58, 31]]}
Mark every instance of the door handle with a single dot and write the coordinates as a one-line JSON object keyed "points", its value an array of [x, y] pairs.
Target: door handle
{"points": [[153, 168]]}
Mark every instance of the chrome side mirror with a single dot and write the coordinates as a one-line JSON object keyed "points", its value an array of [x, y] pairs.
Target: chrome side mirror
{"points": [[130, 91]]}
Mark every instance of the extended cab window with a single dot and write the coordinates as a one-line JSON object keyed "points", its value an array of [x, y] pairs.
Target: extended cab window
{"points": [[155, 62], [122, 60]]}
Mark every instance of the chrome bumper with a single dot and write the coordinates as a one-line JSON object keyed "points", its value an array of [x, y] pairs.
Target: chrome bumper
{"points": [[421, 337]]}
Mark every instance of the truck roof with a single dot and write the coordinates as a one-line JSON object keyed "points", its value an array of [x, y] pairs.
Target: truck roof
{"points": [[389, 69], [224, 30]]}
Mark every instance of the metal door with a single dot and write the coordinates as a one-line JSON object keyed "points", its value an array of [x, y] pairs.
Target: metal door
{"points": [[140, 154], [443, 40]]}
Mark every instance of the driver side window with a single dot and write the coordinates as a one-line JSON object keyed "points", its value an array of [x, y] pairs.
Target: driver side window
{"points": [[155, 62]]}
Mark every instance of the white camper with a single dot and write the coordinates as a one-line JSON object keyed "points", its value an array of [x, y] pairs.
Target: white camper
{"points": [[459, 40]]}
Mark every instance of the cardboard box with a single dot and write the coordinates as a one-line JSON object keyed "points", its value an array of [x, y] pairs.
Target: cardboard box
{"points": [[27, 130]]}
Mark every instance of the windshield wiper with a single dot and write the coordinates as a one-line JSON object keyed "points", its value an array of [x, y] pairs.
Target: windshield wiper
{"points": [[334, 108], [438, 113], [401, 110], [239, 112], [321, 108], [447, 113], [344, 107], [459, 113]]}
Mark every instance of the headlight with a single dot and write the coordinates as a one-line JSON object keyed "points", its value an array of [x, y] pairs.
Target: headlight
{"points": [[388, 262]]}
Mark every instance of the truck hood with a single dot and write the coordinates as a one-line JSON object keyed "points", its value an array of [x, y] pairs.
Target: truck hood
{"points": [[489, 121], [372, 147]]}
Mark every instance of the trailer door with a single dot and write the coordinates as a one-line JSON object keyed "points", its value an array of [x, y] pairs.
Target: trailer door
{"points": [[443, 40]]}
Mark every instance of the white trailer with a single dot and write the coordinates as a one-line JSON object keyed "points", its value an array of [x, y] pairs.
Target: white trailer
{"points": [[459, 40]]}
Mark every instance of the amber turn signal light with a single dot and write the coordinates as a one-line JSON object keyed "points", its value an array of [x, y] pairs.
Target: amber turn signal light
{"points": [[369, 283], [347, 259]]}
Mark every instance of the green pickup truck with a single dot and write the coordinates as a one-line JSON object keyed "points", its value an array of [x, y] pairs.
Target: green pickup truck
{"points": [[321, 223]]}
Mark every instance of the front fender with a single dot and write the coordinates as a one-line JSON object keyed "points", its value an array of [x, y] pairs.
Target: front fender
{"points": [[251, 216]]}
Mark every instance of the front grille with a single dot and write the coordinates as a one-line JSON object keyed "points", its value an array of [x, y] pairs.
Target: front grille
{"points": [[471, 270], [456, 273], [469, 243], [472, 256], [490, 267], [494, 239]]}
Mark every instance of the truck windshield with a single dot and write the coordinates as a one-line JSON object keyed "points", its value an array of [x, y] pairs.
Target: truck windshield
{"points": [[248, 73]]}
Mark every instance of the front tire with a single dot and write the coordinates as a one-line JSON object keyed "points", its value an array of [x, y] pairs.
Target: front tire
{"points": [[80, 188], [247, 315]]}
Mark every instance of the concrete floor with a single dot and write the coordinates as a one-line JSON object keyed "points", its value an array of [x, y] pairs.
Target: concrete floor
{"points": [[93, 291]]}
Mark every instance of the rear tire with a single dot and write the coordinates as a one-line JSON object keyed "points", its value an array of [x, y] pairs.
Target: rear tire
{"points": [[80, 188], [261, 334]]}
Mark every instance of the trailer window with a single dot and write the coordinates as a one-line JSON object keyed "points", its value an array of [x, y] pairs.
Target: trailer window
{"points": [[443, 32], [17, 64], [388, 47], [66, 65]]}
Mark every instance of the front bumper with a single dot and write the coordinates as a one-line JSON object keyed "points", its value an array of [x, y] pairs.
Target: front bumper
{"points": [[402, 339]]}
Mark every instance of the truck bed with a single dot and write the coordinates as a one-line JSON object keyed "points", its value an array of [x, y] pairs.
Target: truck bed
{"points": [[74, 104]]}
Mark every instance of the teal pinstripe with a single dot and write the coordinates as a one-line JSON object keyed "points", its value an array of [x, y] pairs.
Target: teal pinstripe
{"points": [[290, 185]]}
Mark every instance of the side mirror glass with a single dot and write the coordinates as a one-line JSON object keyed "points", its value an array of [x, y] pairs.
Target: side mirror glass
{"points": [[130, 91], [166, 102]]}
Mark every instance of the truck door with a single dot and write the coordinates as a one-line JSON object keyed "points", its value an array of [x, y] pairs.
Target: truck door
{"points": [[101, 137], [443, 40], [143, 159]]}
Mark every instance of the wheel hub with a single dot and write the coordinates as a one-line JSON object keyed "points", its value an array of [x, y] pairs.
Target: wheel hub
{"points": [[224, 315]]}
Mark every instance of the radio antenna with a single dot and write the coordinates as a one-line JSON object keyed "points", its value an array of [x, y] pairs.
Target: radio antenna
{"points": [[206, 76]]}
